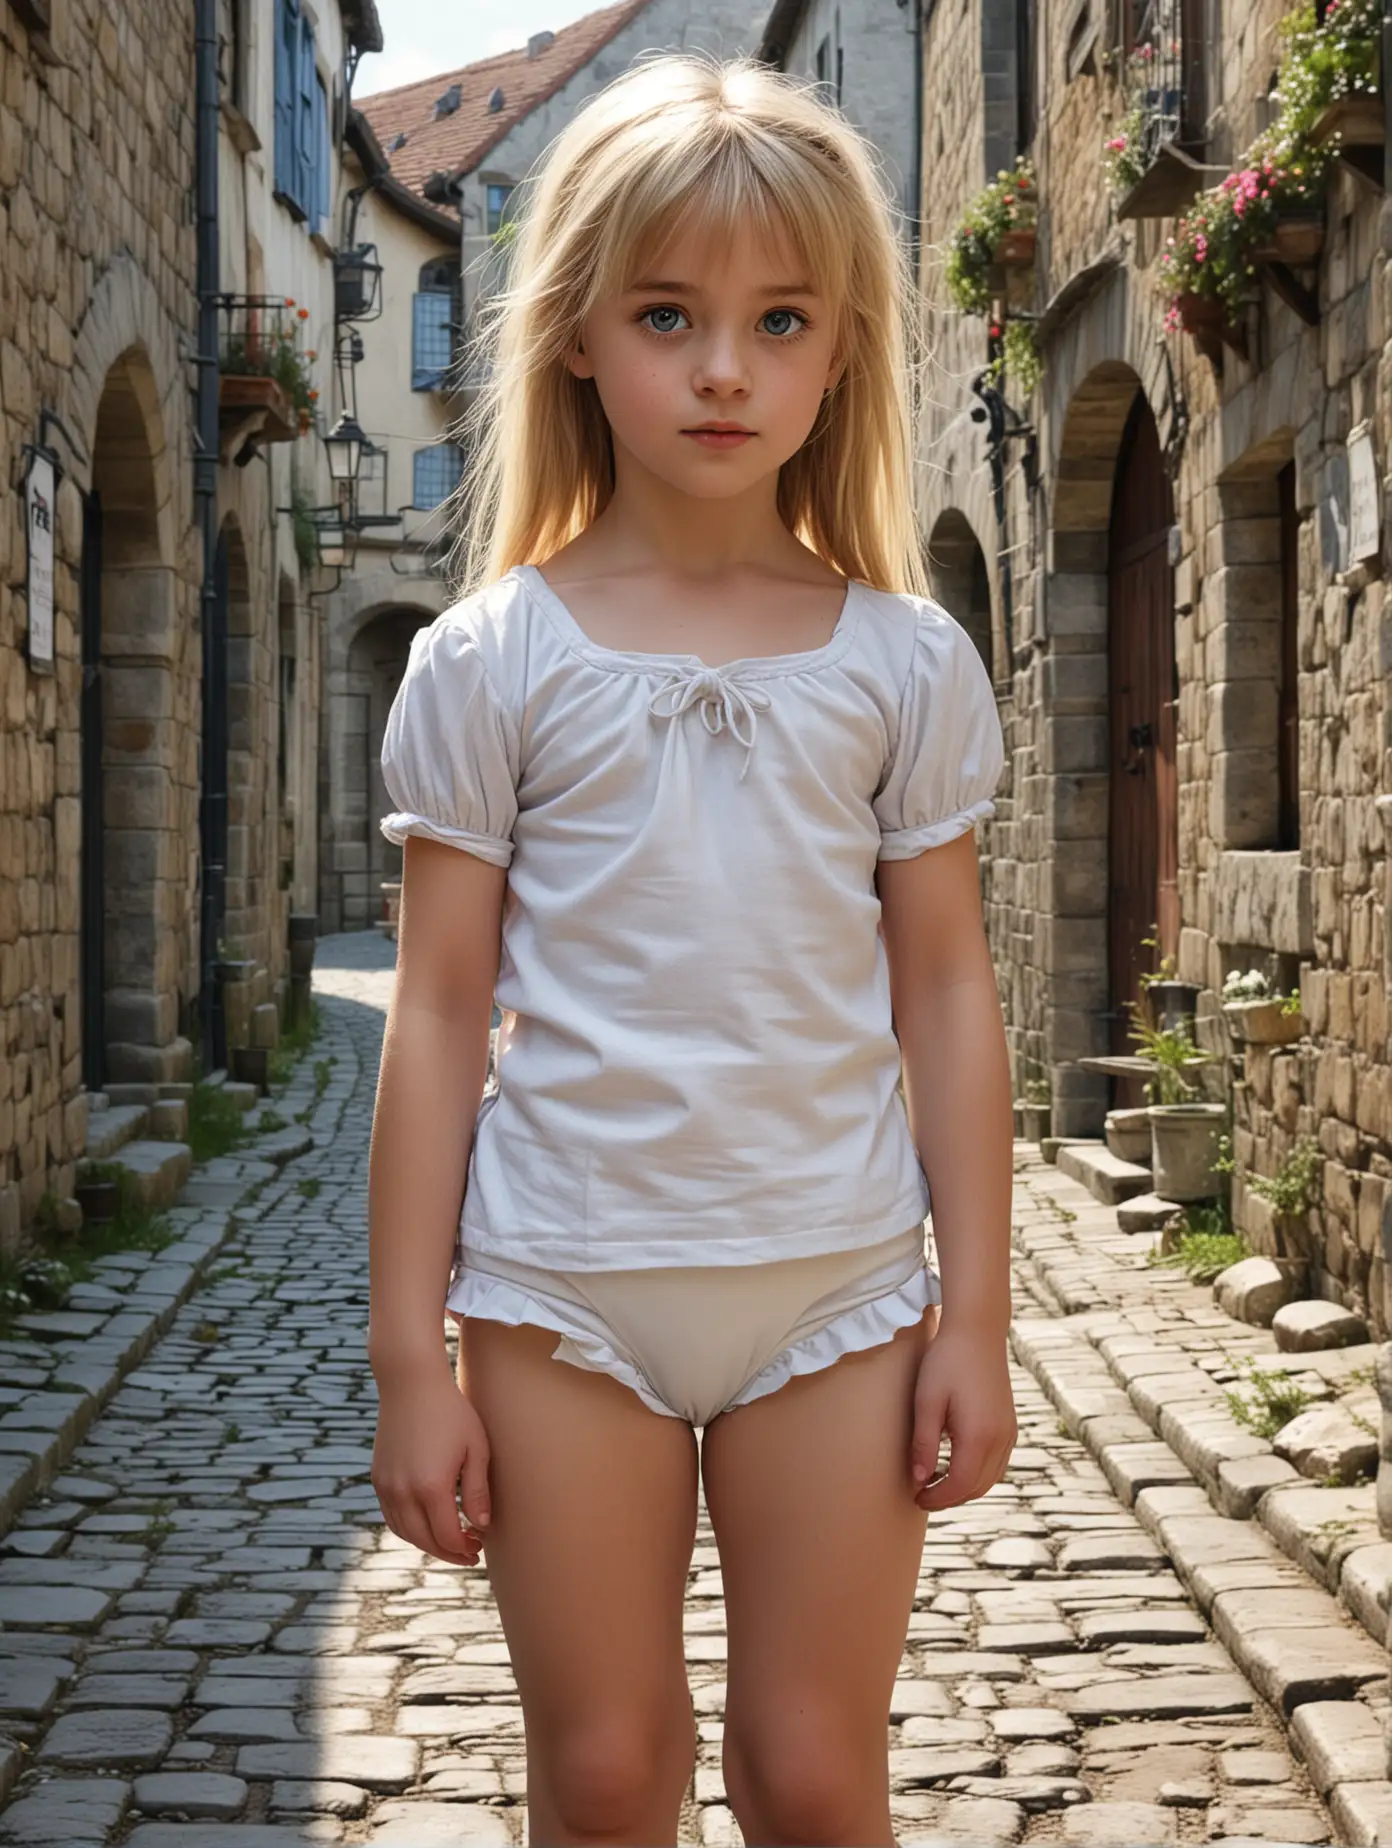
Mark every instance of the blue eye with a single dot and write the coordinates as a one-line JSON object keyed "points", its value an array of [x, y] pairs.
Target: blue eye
{"points": [[662, 320], [788, 321]]}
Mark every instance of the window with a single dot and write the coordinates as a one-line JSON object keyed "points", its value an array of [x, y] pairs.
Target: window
{"points": [[823, 64], [497, 206], [436, 474], [432, 339], [1025, 119], [232, 54], [302, 119]]}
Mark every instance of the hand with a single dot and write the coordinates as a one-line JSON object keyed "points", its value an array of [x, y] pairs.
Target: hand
{"points": [[963, 1388], [430, 1442]]}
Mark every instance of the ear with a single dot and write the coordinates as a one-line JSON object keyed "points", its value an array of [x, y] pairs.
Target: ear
{"points": [[578, 363], [834, 374]]}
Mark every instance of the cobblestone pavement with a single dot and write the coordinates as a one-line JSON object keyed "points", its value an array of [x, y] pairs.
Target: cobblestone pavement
{"points": [[210, 1641]]}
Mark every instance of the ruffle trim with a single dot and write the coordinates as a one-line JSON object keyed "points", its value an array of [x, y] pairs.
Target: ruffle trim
{"points": [[869, 1326], [494, 1299], [488, 847], [906, 843]]}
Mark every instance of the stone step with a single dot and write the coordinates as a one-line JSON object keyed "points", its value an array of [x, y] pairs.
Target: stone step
{"points": [[1145, 1212], [111, 1129], [1106, 1176], [157, 1170]]}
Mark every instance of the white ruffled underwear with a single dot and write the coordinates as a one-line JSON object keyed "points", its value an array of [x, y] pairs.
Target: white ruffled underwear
{"points": [[696, 1340]]}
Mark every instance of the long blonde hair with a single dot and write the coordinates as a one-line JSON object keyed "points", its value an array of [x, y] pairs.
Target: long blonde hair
{"points": [[676, 138]]}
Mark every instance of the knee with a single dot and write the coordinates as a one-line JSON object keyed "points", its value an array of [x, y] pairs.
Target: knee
{"points": [[803, 1780], [606, 1776]]}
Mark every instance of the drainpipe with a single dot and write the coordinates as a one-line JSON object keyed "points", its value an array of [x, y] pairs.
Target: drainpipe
{"points": [[213, 804]]}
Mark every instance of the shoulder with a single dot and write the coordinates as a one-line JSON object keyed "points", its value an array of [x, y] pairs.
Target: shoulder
{"points": [[916, 637], [484, 637]]}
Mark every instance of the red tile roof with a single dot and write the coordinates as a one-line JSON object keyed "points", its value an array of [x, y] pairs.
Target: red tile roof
{"points": [[458, 142]]}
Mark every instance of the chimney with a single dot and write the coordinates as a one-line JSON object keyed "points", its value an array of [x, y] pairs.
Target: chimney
{"points": [[539, 42]]}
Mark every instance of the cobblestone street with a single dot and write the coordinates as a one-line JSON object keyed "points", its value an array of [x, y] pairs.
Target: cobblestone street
{"points": [[212, 1642]]}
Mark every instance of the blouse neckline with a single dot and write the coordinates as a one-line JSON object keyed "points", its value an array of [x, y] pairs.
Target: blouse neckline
{"points": [[634, 661]]}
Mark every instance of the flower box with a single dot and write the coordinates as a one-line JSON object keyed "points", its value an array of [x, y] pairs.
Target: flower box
{"points": [[1355, 121], [1015, 249], [1205, 320], [1262, 1023], [242, 396], [1296, 241]]}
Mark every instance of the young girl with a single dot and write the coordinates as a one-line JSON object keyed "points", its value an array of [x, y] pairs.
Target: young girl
{"points": [[713, 761]]}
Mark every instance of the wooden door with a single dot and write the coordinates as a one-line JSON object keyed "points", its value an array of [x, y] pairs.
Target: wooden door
{"points": [[1143, 843]]}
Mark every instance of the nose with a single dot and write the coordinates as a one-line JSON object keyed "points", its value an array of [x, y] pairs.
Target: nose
{"points": [[722, 368]]}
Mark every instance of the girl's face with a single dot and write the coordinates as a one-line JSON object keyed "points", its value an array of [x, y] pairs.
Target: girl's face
{"points": [[712, 367]]}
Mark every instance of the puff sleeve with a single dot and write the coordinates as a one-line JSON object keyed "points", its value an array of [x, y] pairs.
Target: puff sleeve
{"points": [[949, 752], [449, 753]]}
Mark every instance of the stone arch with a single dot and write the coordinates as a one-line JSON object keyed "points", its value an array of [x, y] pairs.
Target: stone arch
{"points": [[1087, 721], [133, 931], [960, 577], [370, 625]]}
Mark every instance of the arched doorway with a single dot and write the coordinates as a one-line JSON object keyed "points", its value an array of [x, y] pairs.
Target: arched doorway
{"points": [[957, 571], [1143, 694], [130, 947], [368, 656]]}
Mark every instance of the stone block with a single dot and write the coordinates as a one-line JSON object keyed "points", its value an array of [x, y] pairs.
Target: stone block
{"points": [[1253, 1289], [265, 1025], [1302, 1326], [169, 1119], [135, 1014], [1243, 798]]}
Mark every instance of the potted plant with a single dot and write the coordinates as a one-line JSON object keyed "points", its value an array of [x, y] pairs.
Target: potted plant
{"points": [[1258, 1015], [263, 368], [1185, 1130], [994, 238]]}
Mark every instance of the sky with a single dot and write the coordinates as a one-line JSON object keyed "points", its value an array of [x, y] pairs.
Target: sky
{"points": [[424, 37]]}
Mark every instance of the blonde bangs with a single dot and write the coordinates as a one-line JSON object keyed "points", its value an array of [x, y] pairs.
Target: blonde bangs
{"points": [[684, 144]]}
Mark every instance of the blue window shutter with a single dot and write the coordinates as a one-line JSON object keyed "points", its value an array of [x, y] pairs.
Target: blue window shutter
{"points": [[435, 474], [322, 203], [287, 39], [304, 120], [430, 339]]}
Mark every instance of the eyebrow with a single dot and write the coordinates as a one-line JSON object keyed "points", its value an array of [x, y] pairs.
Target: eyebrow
{"points": [[657, 285]]}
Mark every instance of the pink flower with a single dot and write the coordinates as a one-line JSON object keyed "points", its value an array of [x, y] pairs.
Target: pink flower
{"points": [[1117, 144]]}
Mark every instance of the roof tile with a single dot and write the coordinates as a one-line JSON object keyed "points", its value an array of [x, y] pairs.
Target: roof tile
{"points": [[457, 143]]}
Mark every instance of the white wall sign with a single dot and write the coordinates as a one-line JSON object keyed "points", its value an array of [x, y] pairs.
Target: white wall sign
{"points": [[38, 524], [1364, 524]]}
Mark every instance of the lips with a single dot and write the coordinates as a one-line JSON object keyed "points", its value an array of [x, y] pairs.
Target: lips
{"points": [[719, 435]]}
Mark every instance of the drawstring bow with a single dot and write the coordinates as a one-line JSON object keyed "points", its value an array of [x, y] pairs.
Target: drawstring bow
{"points": [[724, 704]]}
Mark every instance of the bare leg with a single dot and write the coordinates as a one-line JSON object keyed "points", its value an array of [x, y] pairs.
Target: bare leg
{"points": [[820, 1543], [594, 1518]]}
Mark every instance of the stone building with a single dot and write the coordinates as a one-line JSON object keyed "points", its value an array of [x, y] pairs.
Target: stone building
{"points": [[112, 737], [440, 159], [1191, 663], [863, 55]]}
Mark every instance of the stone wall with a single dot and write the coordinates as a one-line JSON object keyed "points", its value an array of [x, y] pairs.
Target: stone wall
{"points": [[96, 296], [1313, 913]]}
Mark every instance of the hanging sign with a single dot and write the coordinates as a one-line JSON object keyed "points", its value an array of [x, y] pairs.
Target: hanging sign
{"points": [[1364, 526], [38, 525]]}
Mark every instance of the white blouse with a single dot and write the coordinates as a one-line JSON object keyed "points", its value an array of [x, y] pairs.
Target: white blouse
{"points": [[697, 1063]]}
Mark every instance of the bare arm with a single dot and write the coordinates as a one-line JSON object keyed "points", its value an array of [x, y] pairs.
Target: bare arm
{"points": [[957, 1085], [434, 1060]]}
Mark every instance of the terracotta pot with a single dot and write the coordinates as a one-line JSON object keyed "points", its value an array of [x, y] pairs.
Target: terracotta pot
{"points": [[1205, 320], [1183, 1148], [1015, 249]]}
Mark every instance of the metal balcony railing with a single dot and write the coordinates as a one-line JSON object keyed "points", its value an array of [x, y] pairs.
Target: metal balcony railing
{"points": [[1166, 88]]}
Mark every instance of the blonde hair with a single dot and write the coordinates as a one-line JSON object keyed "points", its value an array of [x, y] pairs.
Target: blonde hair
{"points": [[679, 139]]}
